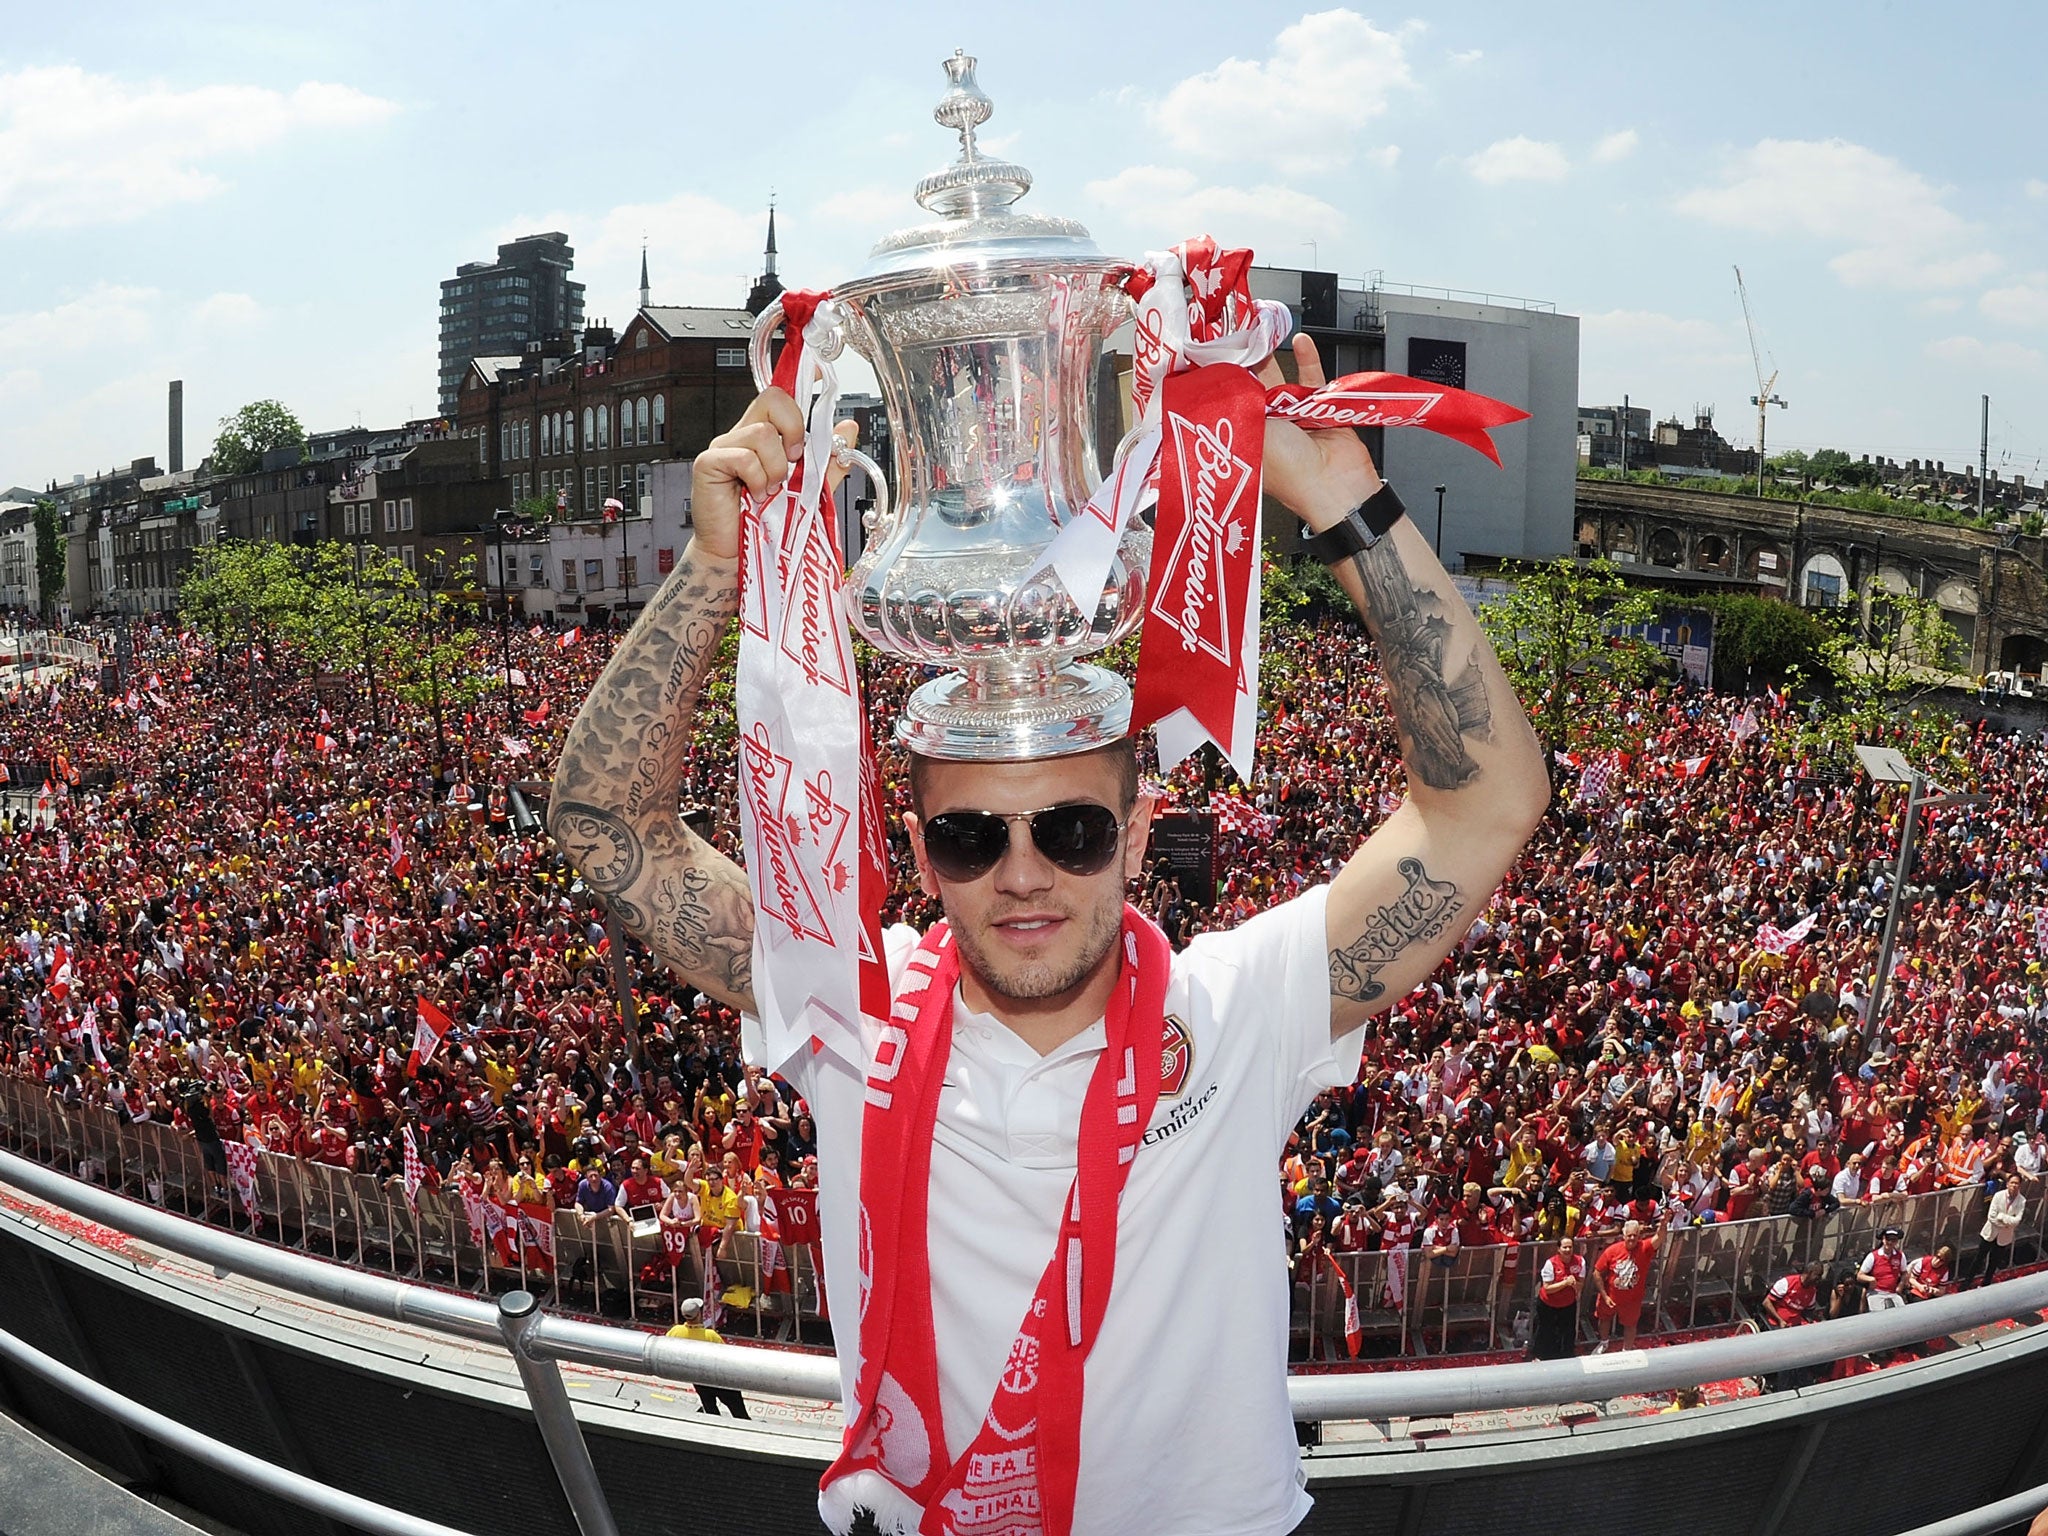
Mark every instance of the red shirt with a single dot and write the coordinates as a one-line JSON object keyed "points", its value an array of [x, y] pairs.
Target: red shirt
{"points": [[1626, 1266]]}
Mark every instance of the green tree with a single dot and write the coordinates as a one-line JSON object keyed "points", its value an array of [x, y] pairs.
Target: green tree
{"points": [[431, 665], [251, 432], [1758, 639], [51, 562], [1559, 637]]}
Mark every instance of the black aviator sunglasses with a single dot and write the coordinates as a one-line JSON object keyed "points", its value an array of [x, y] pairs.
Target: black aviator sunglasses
{"points": [[1080, 838]]}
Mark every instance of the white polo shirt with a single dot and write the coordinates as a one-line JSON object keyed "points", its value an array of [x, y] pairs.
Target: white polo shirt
{"points": [[1185, 1428]]}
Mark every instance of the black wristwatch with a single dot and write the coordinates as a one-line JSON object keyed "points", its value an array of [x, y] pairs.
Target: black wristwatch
{"points": [[1363, 526]]}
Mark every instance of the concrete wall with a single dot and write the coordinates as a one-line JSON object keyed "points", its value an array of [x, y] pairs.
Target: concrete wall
{"points": [[1528, 358]]}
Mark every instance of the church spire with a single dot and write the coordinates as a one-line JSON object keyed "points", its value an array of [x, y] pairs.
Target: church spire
{"points": [[768, 286], [643, 274]]}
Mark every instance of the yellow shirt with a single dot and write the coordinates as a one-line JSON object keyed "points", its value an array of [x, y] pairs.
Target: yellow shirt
{"points": [[498, 1078], [721, 1209], [696, 1332]]}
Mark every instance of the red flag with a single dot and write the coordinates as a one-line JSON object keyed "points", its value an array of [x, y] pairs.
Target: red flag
{"points": [[60, 971], [1692, 767], [401, 861], [569, 637], [537, 716], [1354, 1327], [612, 508], [1587, 859], [415, 1169], [427, 1035]]}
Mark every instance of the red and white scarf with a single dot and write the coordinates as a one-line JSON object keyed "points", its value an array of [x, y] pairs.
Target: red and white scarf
{"points": [[1018, 1476]]}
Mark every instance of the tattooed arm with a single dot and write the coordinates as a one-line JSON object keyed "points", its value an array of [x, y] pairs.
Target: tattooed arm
{"points": [[615, 810], [1477, 784]]}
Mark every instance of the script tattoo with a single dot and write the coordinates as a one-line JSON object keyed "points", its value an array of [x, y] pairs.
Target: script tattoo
{"points": [[601, 846], [1424, 909], [702, 925], [1434, 715]]}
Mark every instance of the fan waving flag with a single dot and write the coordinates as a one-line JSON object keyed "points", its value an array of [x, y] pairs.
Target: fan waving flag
{"points": [[401, 861], [1242, 818], [415, 1169], [1782, 941], [1354, 1327], [570, 637], [427, 1035]]}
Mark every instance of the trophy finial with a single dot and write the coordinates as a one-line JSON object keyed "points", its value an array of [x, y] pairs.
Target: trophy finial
{"points": [[966, 106], [973, 185]]}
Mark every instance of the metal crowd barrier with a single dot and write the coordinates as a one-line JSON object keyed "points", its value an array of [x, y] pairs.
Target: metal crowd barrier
{"points": [[1711, 1276], [538, 1342], [356, 1218]]}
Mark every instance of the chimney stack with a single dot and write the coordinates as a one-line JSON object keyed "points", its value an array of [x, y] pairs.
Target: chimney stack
{"points": [[177, 425]]}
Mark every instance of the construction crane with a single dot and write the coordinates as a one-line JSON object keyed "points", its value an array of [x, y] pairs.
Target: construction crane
{"points": [[1763, 399]]}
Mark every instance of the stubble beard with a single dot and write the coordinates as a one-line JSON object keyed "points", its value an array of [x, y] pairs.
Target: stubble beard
{"points": [[1033, 981]]}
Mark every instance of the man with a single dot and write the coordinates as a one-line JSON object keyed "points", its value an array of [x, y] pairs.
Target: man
{"points": [[1882, 1274], [711, 1398], [1620, 1277], [2001, 1226], [1795, 1298], [1029, 860]]}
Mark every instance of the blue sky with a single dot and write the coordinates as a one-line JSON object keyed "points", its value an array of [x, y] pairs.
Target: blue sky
{"points": [[265, 207]]}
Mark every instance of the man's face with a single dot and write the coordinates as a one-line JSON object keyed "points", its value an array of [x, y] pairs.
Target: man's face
{"points": [[1029, 932]]}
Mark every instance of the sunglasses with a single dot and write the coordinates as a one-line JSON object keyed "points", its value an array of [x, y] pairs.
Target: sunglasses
{"points": [[1080, 838]]}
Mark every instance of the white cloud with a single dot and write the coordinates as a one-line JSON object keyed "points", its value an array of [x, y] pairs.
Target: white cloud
{"points": [[1518, 159], [1941, 304], [1650, 334], [105, 315], [1971, 352], [1386, 157], [1897, 227], [1615, 146], [78, 148], [2020, 304], [224, 311], [1162, 204], [1469, 56], [24, 384], [2036, 187], [1328, 75], [869, 211]]}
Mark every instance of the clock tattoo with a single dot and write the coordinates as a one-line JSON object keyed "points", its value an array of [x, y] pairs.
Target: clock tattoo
{"points": [[599, 844]]}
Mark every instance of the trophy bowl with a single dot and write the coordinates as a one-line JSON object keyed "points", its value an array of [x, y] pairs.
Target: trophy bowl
{"points": [[985, 329]]}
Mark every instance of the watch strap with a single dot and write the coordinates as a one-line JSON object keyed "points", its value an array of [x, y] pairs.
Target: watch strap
{"points": [[1362, 527]]}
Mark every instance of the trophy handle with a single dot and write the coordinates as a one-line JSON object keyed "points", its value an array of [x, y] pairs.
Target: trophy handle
{"points": [[852, 458], [830, 345]]}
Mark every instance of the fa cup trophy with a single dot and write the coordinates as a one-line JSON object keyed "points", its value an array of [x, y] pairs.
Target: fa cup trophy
{"points": [[986, 329]]}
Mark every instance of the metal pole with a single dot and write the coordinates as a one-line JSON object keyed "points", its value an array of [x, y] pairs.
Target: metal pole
{"points": [[622, 979], [1983, 453], [1875, 1013], [504, 624], [518, 1311], [1437, 544], [1623, 435]]}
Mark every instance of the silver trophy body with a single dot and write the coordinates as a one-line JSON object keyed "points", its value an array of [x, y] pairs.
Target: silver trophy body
{"points": [[986, 329]]}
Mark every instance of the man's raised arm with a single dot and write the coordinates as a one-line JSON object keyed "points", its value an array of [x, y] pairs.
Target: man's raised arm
{"points": [[1477, 782], [615, 809]]}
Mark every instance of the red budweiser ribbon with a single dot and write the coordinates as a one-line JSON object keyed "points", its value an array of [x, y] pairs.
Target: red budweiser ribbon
{"points": [[1395, 400], [1204, 544], [1017, 1478], [1195, 312]]}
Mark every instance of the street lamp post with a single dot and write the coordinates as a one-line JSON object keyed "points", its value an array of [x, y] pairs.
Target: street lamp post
{"points": [[506, 525], [1437, 544], [1886, 766], [369, 664]]}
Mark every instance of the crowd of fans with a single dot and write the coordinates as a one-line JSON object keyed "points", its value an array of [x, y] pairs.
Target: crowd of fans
{"points": [[238, 936]]}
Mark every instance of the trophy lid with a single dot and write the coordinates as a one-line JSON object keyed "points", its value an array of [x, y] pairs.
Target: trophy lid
{"points": [[973, 198]]}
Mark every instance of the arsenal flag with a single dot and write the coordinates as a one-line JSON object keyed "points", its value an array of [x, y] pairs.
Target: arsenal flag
{"points": [[426, 1035], [1354, 1325]]}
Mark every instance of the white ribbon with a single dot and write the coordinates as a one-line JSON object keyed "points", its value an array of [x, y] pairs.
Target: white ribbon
{"points": [[798, 698]]}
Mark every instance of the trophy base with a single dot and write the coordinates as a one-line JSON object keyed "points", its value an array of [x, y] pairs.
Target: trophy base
{"points": [[980, 716]]}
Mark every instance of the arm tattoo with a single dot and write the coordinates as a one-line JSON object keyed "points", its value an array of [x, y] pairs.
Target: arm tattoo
{"points": [[602, 847], [1423, 910], [1435, 716]]}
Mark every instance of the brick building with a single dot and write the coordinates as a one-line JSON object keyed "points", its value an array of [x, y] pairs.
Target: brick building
{"points": [[427, 506]]}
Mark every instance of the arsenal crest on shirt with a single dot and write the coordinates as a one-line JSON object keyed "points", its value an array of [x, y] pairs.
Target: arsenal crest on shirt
{"points": [[1177, 1055]]}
